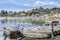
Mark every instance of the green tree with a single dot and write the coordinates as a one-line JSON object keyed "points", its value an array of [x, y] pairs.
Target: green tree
{"points": [[4, 13]]}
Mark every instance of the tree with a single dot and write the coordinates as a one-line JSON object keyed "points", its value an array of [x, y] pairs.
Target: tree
{"points": [[41, 8], [4, 13], [23, 11]]}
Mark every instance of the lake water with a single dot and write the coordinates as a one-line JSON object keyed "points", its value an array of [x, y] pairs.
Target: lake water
{"points": [[24, 25]]}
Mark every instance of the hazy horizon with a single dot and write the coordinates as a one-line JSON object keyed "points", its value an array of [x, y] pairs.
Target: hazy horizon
{"points": [[24, 5]]}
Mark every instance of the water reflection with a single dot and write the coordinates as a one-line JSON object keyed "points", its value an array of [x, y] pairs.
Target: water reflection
{"points": [[22, 25]]}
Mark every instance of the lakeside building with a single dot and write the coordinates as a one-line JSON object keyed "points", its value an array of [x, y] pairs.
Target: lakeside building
{"points": [[22, 14]]}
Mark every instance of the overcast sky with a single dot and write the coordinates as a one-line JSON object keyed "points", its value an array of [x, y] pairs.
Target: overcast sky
{"points": [[24, 5]]}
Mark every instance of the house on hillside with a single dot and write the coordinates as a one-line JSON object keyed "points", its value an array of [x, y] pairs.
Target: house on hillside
{"points": [[22, 14]]}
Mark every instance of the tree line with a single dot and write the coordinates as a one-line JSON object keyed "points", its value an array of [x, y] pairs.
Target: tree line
{"points": [[30, 12]]}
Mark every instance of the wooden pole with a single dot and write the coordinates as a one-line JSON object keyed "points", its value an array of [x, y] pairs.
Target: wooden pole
{"points": [[52, 32]]}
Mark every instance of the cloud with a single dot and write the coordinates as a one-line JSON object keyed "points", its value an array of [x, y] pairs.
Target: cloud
{"points": [[43, 3], [27, 4], [40, 3]]}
